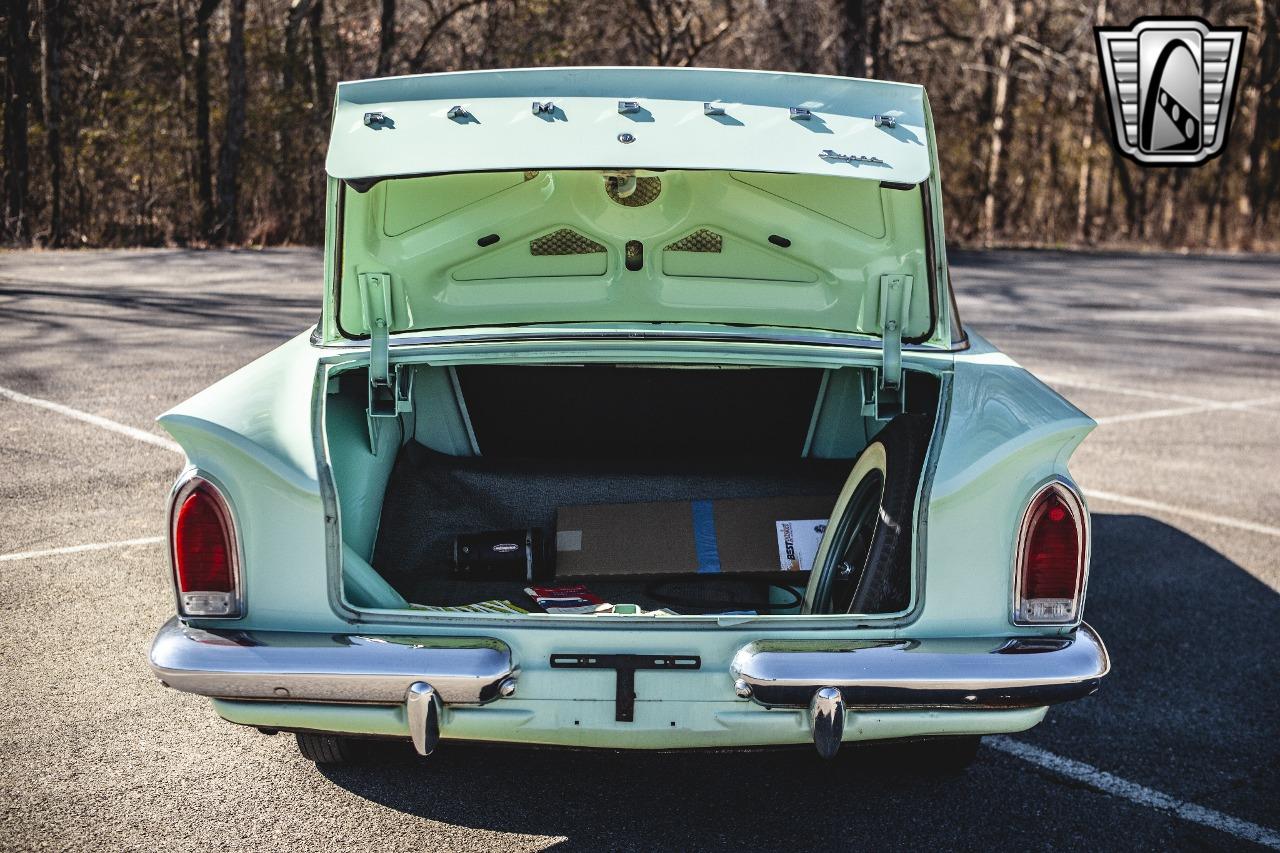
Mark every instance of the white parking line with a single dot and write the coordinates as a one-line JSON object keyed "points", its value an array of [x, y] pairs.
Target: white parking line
{"points": [[1241, 405], [96, 420], [1156, 506], [1135, 793], [77, 549], [1193, 405], [1051, 379]]}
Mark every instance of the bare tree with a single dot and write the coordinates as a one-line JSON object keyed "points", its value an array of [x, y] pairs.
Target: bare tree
{"points": [[677, 32], [227, 227], [439, 23], [1092, 107], [319, 66], [51, 98], [1263, 158], [119, 135], [855, 38], [1006, 19], [298, 11], [386, 37], [204, 152], [800, 34], [17, 97]]}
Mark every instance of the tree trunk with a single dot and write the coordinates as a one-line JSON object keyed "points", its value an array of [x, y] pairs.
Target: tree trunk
{"points": [[182, 50], [227, 228], [1084, 180], [386, 37], [1119, 168], [855, 39], [880, 43], [999, 102], [1263, 156], [204, 152], [298, 10], [1108, 203], [51, 39], [17, 98], [319, 68]]}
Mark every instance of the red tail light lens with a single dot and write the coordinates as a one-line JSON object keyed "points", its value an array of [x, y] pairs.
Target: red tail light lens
{"points": [[1049, 582], [204, 552]]}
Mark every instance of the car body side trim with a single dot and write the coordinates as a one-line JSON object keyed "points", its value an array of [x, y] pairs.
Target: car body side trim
{"points": [[1020, 672], [315, 667]]}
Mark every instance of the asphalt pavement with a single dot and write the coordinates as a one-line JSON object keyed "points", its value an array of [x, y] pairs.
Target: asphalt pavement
{"points": [[1178, 357]]}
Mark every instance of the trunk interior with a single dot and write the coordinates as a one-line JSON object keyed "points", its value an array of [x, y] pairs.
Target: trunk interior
{"points": [[490, 448]]}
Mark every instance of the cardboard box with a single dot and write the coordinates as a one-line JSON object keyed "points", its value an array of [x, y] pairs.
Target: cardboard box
{"points": [[741, 536]]}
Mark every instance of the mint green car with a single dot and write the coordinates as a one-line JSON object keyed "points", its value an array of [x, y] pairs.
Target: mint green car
{"points": [[674, 302]]}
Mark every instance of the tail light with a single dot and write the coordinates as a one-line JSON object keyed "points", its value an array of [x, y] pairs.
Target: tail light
{"points": [[1052, 560], [203, 549]]}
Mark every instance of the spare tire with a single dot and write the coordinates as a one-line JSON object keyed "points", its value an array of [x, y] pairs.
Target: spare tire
{"points": [[864, 562]]}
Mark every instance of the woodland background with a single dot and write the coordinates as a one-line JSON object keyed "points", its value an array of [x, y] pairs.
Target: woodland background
{"points": [[204, 122]]}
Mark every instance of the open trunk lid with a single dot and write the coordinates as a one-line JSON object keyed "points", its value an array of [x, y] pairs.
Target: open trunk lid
{"points": [[633, 196]]}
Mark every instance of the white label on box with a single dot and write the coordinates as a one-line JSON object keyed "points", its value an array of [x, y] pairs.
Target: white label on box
{"points": [[568, 540], [798, 543]]}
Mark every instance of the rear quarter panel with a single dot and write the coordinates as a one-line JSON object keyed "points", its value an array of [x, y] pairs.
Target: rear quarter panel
{"points": [[251, 432], [1007, 433]]}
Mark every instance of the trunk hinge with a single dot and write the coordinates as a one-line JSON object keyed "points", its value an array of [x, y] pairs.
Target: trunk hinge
{"points": [[895, 303], [389, 392]]}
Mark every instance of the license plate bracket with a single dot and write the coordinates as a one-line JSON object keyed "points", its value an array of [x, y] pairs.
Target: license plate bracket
{"points": [[624, 667]]}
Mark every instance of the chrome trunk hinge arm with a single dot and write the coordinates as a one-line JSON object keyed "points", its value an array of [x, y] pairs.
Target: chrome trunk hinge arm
{"points": [[375, 291], [895, 304], [389, 393]]}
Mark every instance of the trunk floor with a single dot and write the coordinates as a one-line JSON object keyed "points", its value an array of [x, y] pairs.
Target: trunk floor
{"points": [[432, 497]]}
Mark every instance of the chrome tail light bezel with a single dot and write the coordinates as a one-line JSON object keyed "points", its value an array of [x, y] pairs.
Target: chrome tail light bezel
{"points": [[1069, 494], [190, 481]]}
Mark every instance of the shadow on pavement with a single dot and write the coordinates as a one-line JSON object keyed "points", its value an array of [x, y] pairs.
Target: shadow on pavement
{"points": [[1192, 704], [171, 289]]}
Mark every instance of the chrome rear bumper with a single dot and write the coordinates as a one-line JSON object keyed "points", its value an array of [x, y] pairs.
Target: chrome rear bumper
{"points": [[281, 665], [1020, 672], [826, 677], [830, 677]]}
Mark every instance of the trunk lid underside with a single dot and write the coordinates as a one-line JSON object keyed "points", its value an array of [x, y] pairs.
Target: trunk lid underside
{"points": [[704, 197]]}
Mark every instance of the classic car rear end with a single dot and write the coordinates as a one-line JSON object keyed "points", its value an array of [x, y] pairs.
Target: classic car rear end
{"points": [[639, 416]]}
